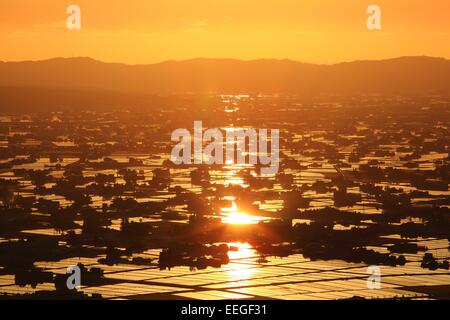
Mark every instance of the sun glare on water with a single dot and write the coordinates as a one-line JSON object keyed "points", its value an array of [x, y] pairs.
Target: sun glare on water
{"points": [[234, 216]]}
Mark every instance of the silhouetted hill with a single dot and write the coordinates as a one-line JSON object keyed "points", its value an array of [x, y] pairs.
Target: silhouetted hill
{"points": [[406, 75]]}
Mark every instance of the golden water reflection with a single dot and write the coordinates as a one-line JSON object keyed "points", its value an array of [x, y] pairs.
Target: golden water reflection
{"points": [[233, 215], [240, 271]]}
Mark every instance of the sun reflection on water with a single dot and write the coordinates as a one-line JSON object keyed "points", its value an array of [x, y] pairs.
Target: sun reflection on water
{"points": [[240, 271], [233, 215]]}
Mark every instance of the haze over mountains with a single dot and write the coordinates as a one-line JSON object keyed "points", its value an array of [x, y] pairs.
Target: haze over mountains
{"points": [[91, 81]]}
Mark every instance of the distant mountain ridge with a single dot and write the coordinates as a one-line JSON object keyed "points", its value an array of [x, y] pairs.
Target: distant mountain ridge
{"points": [[402, 75]]}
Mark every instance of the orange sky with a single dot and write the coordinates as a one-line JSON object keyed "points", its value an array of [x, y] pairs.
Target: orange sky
{"points": [[146, 31]]}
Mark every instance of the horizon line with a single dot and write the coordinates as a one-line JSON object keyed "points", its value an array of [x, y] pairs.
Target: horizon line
{"points": [[221, 59]]}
